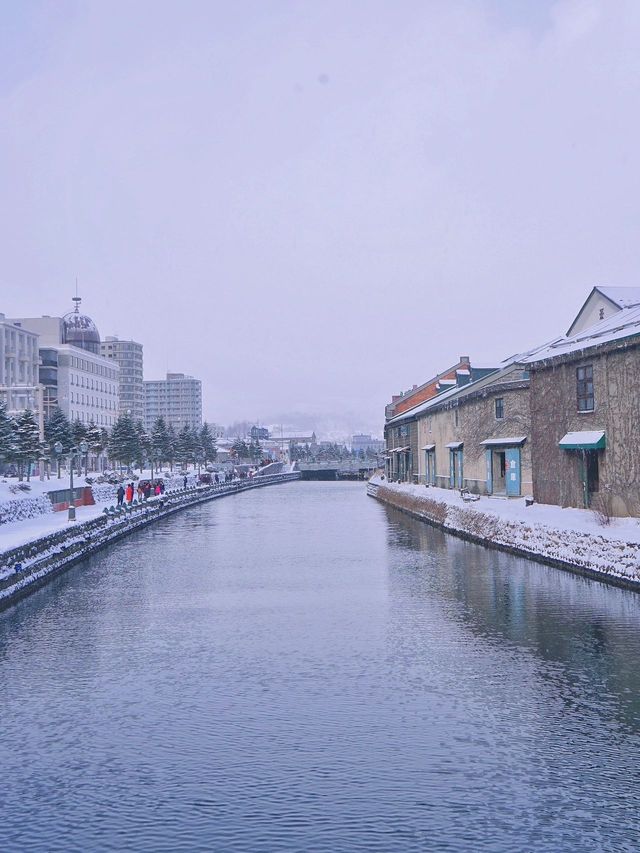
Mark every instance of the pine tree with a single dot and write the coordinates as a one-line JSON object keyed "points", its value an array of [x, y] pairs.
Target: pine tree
{"points": [[208, 443], [78, 431], [124, 442], [172, 445], [144, 445], [160, 442], [255, 450], [240, 449], [93, 438], [57, 428], [27, 442], [7, 436], [186, 445]]}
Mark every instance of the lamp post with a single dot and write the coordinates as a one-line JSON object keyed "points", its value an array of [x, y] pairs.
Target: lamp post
{"points": [[82, 448]]}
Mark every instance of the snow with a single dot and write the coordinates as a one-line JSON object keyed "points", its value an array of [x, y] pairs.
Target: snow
{"points": [[584, 437], [20, 532], [495, 442], [37, 487], [625, 297], [570, 535], [623, 324]]}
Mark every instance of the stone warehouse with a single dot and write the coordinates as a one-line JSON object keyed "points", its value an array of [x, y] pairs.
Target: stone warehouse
{"points": [[558, 422]]}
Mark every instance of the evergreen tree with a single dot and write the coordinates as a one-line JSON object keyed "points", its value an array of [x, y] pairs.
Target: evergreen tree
{"points": [[144, 445], [187, 445], [160, 449], [239, 448], [255, 450], [124, 441], [7, 436], [208, 443], [104, 441], [172, 445], [93, 438], [27, 442], [78, 431], [57, 428]]}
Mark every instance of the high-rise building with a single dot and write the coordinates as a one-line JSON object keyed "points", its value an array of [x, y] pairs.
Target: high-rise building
{"points": [[19, 362], [128, 356], [177, 399], [72, 373]]}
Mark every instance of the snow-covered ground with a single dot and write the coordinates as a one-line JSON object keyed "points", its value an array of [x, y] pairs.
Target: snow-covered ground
{"points": [[33, 511], [20, 532], [572, 536]]}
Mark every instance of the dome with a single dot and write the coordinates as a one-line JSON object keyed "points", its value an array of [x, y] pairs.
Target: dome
{"points": [[80, 331]]}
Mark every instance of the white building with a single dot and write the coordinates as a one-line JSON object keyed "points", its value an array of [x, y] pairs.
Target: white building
{"points": [[366, 442], [128, 356], [73, 375], [88, 386], [177, 399], [19, 362]]}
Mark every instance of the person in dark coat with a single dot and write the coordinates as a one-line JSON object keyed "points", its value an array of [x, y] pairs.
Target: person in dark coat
{"points": [[120, 494], [185, 482]]}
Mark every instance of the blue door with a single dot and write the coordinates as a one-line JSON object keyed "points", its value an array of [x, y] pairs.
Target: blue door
{"points": [[452, 469], [512, 457], [460, 471], [489, 458]]}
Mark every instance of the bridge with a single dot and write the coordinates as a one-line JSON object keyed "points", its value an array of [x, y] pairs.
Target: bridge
{"points": [[346, 469]]}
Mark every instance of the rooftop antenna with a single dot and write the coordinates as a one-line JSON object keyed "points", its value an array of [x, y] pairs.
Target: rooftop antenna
{"points": [[77, 299]]}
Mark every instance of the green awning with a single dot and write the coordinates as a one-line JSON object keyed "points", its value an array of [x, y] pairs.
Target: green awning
{"points": [[588, 440]]}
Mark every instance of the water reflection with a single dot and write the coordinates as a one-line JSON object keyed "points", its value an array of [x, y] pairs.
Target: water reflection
{"points": [[304, 669]]}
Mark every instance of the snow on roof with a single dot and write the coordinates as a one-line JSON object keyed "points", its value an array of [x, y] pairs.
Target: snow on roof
{"points": [[585, 437], [625, 297], [463, 372], [497, 442], [623, 324]]}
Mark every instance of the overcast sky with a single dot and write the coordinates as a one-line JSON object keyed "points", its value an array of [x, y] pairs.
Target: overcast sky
{"points": [[311, 205]]}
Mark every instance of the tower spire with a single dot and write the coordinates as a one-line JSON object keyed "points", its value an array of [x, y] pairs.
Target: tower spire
{"points": [[77, 299]]}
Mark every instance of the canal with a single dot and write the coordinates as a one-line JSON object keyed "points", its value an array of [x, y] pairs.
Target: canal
{"points": [[300, 668]]}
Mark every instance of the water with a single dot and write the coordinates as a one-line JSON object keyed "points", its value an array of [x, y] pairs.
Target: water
{"points": [[300, 668]]}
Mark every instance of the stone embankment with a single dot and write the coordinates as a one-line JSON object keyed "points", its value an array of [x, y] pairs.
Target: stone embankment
{"points": [[614, 559], [29, 566]]}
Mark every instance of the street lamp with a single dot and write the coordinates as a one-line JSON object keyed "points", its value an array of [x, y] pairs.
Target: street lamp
{"points": [[82, 448]]}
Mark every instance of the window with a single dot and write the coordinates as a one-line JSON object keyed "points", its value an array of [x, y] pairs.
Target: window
{"points": [[584, 377], [499, 408], [602, 313], [455, 417]]}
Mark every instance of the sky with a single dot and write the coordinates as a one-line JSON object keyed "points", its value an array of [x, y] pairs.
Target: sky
{"points": [[314, 205]]}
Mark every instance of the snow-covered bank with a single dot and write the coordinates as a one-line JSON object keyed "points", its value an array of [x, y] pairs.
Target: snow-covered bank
{"points": [[569, 538], [26, 567]]}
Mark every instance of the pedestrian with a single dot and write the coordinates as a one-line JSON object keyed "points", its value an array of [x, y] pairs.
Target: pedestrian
{"points": [[120, 494], [140, 492], [185, 482], [158, 490], [217, 479], [129, 493]]}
